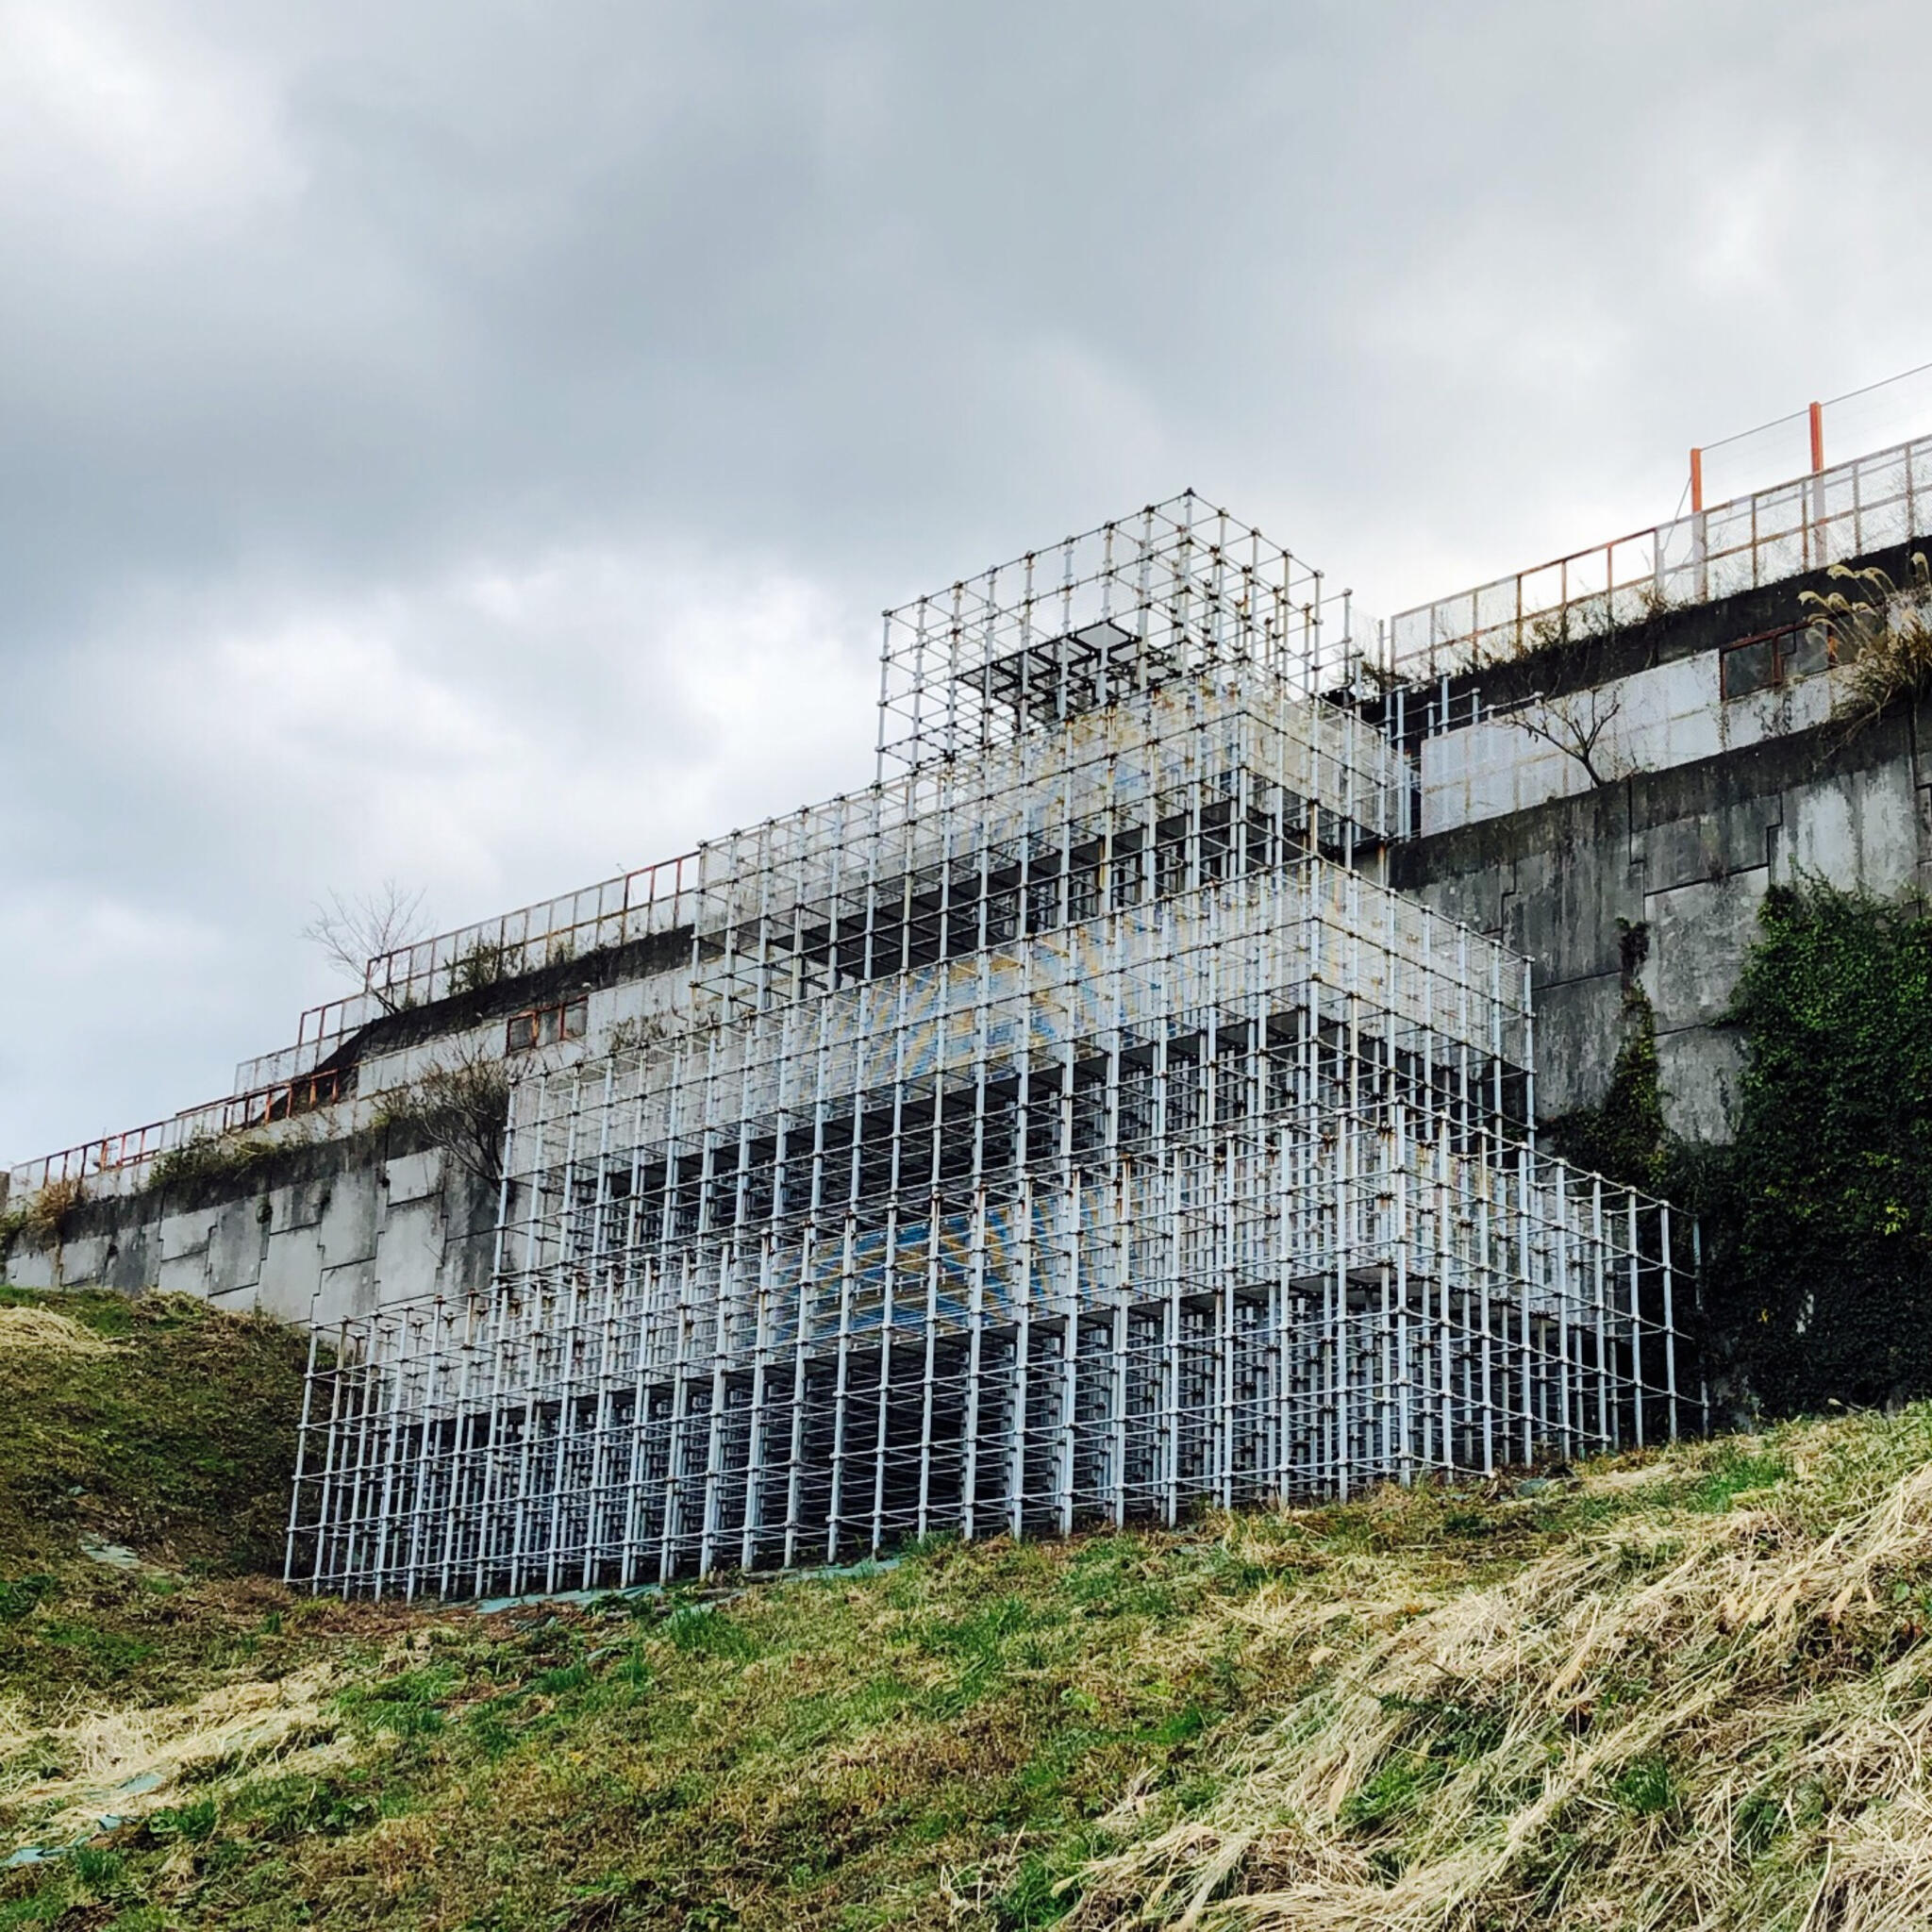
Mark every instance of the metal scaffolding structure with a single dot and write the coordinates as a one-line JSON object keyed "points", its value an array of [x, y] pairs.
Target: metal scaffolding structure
{"points": [[1069, 1127]]}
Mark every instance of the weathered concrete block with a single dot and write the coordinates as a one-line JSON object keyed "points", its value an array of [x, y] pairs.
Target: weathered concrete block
{"points": [[1570, 899], [414, 1177], [409, 1261], [1733, 836], [129, 1264], [183, 1273], [235, 1244], [299, 1203], [1699, 1070], [290, 1273], [1578, 1028], [347, 1231], [349, 1290], [1856, 827], [1700, 936]]}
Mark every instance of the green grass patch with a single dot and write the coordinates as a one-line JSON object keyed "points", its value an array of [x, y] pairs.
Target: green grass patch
{"points": [[989, 1735]]}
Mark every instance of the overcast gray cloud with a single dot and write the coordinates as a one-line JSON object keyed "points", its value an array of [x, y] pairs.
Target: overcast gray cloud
{"points": [[471, 443]]}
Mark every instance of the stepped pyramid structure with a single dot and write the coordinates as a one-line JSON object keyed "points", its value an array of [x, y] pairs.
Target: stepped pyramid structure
{"points": [[1069, 1127]]}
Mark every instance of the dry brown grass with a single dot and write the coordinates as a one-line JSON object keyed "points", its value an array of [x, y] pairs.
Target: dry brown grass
{"points": [[1690, 1689], [42, 1217], [135, 1761], [1668, 1726], [24, 1329]]}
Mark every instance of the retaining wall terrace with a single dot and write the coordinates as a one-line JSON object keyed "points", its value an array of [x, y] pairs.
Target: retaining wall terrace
{"points": [[344, 1207], [355, 1211], [1689, 852]]}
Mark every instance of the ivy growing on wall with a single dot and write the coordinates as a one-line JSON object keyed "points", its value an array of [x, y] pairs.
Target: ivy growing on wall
{"points": [[1818, 1217], [1623, 1137]]}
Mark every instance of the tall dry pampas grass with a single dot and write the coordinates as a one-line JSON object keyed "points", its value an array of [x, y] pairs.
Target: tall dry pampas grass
{"points": [[1885, 634]]}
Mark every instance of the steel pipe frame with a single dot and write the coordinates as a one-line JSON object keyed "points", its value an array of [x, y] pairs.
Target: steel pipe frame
{"points": [[1074, 1131]]}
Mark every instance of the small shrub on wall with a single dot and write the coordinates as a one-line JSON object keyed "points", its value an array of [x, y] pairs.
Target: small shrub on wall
{"points": [[1818, 1218]]}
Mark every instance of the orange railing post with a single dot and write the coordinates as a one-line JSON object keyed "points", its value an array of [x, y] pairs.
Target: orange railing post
{"points": [[1696, 481]]}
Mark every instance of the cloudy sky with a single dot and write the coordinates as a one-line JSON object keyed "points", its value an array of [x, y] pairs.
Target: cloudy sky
{"points": [[471, 443]]}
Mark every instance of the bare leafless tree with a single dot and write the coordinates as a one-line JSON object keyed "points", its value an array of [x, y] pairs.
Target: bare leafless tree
{"points": [[352, 930], [460, 1106], [1575, 722]]}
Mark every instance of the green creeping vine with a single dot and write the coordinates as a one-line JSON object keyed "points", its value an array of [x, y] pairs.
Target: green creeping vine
{"points": [[1818, 1217]]}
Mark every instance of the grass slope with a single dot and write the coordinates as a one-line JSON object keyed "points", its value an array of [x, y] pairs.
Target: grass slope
{"points": [[1689, 1690]]}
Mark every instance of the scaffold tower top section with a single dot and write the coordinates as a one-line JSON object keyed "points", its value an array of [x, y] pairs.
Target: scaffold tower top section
{"points": [[1128, 607]]}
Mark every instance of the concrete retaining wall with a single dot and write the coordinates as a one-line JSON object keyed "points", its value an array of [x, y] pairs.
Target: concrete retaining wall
{"points": [[349, 1210], [1689, 852], [337, 1207], [317, 1231]]}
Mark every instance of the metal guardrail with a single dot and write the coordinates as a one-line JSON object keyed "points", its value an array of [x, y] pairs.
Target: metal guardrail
{"points": [[112, 1153], [634, 905], [1829, 516]]}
